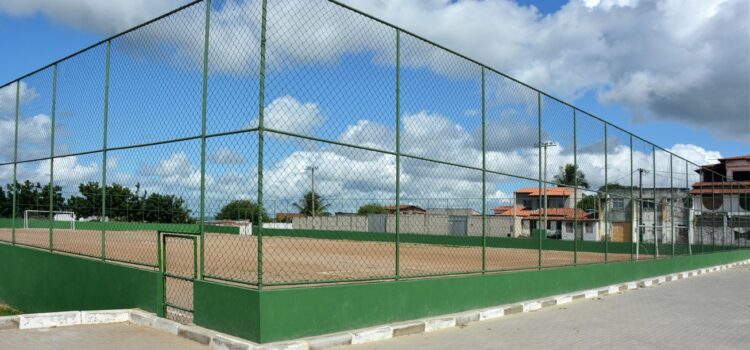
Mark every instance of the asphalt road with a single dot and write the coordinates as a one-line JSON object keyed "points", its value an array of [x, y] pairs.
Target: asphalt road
{"points": [[705, 312]]}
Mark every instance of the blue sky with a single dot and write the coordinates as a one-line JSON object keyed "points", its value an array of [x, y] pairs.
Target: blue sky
{"points": [[155, 95]]}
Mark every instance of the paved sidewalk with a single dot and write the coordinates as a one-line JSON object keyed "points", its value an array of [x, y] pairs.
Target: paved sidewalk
{"points": [[705, 312], [120, 336]]}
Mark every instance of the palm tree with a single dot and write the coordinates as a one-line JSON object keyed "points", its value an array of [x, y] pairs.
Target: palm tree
{"points": [[312, 200], [570, 175]]}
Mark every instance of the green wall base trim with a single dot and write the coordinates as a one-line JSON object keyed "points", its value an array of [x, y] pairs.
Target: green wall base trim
{"points": [[301, 312], [228, 309], [35, 280]]}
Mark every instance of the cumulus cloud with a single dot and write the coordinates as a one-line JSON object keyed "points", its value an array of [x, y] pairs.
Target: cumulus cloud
{"points": [[105, 17], [662, 59], [289, 114], [225, 155], [666, 59]]}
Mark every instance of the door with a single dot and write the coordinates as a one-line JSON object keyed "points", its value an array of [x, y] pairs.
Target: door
{"points": [[377, 222], [179, 267], [458, 225]]}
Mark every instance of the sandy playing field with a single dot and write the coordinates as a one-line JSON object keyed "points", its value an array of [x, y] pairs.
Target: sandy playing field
{"points": [[294, 260]]}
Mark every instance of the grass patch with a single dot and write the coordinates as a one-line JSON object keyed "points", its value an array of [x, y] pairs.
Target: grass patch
{"points": [[6, 310]]}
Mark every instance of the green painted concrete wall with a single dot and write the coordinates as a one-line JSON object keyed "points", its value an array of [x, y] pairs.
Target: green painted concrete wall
{"points": [[227, 309], [299, 312], [34, 280]]}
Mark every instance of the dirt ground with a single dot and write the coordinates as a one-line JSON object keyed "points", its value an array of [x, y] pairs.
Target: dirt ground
{"points": [[294, 260]]}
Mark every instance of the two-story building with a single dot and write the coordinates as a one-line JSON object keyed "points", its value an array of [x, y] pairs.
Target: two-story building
{"points": [[561, 214], [721, 202]]}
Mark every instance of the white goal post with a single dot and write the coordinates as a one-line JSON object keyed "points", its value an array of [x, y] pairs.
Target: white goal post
{"points": [[31, 216]]}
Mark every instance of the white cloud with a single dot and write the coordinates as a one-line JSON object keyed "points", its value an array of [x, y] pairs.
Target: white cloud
{"points": [[105, 17], [666, 59], [225, 155], [662, 59], [177, 170], [288, 114], [695, 154], [8, 98]]}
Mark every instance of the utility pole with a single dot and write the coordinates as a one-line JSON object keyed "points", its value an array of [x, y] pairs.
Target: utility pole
{"points": [[640, 210], [312, 194], [545, 145]]}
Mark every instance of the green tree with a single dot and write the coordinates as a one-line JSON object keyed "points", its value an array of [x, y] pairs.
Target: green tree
{"points": [[242, 209], [122, 204], [166, 209], [312, 200], [372, 208], [6, 203], [569, 175], [58, 201], [89, 203], [588, 202]]}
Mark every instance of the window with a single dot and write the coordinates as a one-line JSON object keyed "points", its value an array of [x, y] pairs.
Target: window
{"points": [[745, 201], [648, 204], [568, 226], [741, 176], [618, 203], [527, 204], [589, 228], [712, 201], [556, 202]]}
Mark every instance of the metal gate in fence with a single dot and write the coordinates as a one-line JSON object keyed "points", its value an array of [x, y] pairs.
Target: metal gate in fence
{"points": [[179, 268]]}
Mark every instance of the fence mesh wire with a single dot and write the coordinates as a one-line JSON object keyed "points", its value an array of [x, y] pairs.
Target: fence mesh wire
{"points": [[305, 142]]}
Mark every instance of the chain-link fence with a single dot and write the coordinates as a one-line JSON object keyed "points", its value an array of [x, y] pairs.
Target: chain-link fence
{"points": [[305, 142]]}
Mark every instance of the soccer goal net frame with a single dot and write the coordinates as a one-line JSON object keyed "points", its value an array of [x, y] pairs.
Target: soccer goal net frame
{"points": [[27, 217]]}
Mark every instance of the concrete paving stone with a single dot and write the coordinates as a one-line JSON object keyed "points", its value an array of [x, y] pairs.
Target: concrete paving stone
{"points": [[221, 342], [165, 325], [434, 324], [372, 334], [532, 306], [491, 313], [465, 318], [48, 320], [329, 341], [295, 345], [105, 316], [8, 322], [197, 334], [564, 299], [513, 309], [407, 328]]}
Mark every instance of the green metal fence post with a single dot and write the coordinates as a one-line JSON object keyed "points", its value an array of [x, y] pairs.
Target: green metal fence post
{"points": [[15, 165], [575, 191], [52, 158], [204, 104], [398, 153], [653, 193], [542, 206], [104, 154], [671, 200], [606, 199], [690, 227], [484, 180], [261, 108], [632, 206], [701, 218]]}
